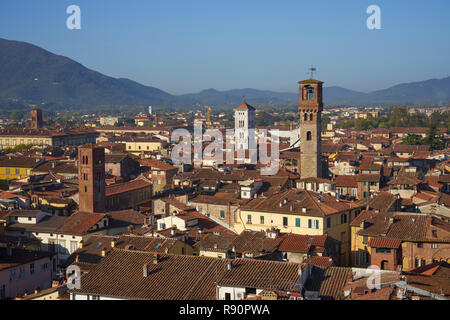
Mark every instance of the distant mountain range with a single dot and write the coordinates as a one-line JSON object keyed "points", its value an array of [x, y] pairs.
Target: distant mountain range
{"points": [[30, 74]]}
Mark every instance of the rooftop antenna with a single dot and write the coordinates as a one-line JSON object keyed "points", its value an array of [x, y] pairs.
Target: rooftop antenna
{"points": [[311, 71]]}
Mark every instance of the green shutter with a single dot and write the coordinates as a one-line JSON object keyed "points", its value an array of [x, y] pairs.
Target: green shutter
{"points": [[297, 222]]}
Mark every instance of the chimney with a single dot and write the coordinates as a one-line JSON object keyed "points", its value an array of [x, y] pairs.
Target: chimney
{"points": [[304, 210], [145, 270], [104, 252], [80, 245], [156, 260], [173, 232]]}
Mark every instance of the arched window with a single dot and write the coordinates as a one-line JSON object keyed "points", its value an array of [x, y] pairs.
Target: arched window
{"points": [[305, 116], [311, 117], [309, 136]]}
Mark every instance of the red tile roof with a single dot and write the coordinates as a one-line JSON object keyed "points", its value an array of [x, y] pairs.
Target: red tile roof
{"points": [[385, 243]]}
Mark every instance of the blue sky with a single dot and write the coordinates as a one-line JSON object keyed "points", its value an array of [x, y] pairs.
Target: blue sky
{"points": [[184, 46]]}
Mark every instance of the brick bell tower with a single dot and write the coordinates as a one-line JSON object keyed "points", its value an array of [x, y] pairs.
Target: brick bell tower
{"points": [[36, 118], [310, 107], [91, 179]]}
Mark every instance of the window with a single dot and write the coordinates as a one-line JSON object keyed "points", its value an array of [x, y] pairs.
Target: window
{"points": [[434, 245], [309, 136], [342, 236], [249, 218], [365, 239], [222, 214], [22, 273], [328, 222], [344, 218], [313, 224], [285, 221], [419, 244], [17, 171], [383, 250], [8, 171], [365, 257], [32, 268], [297, 222], [73, 246], [261, 219], [13, 274]]}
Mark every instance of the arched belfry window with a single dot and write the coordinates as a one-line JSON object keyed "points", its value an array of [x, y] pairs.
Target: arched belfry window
{"points": [[309, 92], [305, 116], [311, 117], [308, 136]]}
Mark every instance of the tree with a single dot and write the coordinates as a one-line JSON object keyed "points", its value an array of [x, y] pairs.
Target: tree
{"points": [[412, 139]]}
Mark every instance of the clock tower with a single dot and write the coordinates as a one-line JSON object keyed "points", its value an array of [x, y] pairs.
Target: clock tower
{"points": [[310, 107]]}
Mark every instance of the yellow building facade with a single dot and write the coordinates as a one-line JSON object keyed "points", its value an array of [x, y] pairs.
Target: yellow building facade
{"points": [[305, 221]]}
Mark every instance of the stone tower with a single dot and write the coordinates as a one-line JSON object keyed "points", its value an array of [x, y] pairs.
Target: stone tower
{"points": [[91, 179], [244, 119], [36, 118], [310, 107]]}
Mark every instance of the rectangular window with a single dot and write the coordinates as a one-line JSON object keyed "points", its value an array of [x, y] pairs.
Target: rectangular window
{"points": [[8, 171], [365, 239], [13, 274], [222, 214], [285, 221], [261, 219], [309, 223], [32, 268], [419, 245], [328, 222], [17, 171], [434, 245], [249, 218], [297, 222], [22, 273], [383, 250], [73, 246]]}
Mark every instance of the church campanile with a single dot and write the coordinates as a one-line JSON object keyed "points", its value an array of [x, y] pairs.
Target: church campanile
{"points": [[310, 107]]}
